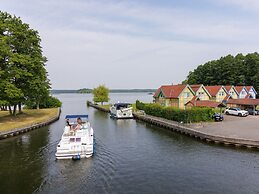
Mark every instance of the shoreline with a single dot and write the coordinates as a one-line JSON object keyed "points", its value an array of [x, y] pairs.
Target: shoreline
{"points": [[191, 132], [18, 131], [197, 134]]}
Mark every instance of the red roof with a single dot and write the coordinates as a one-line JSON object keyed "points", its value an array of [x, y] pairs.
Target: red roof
{"points": [[170, 91], [248, 87], [205, 103], [228, 88], [244, 101], [195, 87], [239, 88], [213, 90]]}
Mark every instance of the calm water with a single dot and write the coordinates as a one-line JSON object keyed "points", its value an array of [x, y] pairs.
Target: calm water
{"points": [[130, 157]]}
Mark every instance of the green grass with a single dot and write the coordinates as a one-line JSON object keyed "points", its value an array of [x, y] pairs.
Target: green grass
{"points": [[27, 118], [106, 106]]}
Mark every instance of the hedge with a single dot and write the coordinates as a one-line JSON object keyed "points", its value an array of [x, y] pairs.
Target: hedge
{"points": [[194, 114]]}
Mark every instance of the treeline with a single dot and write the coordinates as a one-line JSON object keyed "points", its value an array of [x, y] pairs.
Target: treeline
{"points": [[171, 113], [23, 77], [228, 70], [87, 90]]}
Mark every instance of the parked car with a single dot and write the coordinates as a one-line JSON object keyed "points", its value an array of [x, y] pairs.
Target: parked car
{"points": [[217, 117], [252, 111], [236, 111]]}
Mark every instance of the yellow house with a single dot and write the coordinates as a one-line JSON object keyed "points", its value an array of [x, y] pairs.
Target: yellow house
{"points": [[232, 92], [201, 92], [174, 95], [218, 93]]}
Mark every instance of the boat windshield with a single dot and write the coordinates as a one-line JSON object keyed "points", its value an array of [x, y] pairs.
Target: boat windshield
{"points": [[121, 105]]}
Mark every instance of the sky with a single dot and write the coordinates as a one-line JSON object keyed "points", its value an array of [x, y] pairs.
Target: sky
{"points": [[136, 43]]}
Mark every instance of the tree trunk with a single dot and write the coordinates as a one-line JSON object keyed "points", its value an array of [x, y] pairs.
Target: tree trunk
{"points": [[14, 110], [38, 105], [10, 109], [20, 107]]}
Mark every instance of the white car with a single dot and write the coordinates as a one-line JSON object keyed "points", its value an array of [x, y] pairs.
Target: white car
{"points": [[236, 111]]}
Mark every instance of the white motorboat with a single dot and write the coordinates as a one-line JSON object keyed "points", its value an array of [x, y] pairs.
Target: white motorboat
{"points": [[77, 140], [121, 111]]}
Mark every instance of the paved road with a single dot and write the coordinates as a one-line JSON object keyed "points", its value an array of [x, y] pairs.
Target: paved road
{"points": [[232, 126]]}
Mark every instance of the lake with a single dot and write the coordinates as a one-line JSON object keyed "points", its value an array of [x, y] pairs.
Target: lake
{"points": [[130, 157]]}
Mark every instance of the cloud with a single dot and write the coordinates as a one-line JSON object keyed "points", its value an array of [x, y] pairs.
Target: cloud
{"points": [[130, 44]]}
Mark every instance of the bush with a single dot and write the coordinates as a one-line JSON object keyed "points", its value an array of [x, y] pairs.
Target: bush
{"points": [[171, 113], [49, 102]]}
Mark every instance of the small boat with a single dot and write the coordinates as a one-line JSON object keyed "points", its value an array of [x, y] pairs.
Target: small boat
{"points": [[121, 111], [77, 139]]}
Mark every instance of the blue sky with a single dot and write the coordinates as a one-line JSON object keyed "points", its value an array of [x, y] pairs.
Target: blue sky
{"points": [[136, 44]]}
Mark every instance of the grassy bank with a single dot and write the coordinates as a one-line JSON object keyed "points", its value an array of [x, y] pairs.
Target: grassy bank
{"points": [[27, 118]]}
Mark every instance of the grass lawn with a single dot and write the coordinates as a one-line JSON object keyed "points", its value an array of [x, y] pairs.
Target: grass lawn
{"points": [[27, 118], [106, 106]]}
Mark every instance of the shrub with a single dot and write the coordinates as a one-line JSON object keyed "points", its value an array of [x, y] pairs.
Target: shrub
{"points": [[171, 113]]}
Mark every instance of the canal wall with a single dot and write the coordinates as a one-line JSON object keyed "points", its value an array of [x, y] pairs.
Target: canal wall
{"points": [[15, 132], [96, 106], [183, 129]]}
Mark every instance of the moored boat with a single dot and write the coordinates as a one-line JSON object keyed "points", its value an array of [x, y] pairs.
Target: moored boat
{"points": [[121, 111], [77, 139]]}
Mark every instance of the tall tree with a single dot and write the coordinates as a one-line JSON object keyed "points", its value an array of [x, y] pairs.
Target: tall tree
{"points": [[101, 94], [22, 64]]}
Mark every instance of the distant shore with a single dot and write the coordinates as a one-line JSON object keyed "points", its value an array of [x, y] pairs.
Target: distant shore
{"points": [[151, 91]]}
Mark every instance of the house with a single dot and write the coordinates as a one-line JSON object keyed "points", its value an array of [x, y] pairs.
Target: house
{"points": [[201, 92], [204, 103], [232, 92], [251, 91], [174, 95], [243, 103], [218, 93], [242, 91]]}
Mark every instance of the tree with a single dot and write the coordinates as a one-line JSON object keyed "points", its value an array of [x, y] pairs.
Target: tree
{"points": [[101, 94], [23, 76], [228, 70]]}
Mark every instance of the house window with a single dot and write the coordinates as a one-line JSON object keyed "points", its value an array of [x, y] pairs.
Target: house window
{"points": [[201, 95], [186, 94], [243, 92], [221, 93], [231, 93]]}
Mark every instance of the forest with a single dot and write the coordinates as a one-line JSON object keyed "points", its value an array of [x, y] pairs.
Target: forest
{"points": [[228, 70]]}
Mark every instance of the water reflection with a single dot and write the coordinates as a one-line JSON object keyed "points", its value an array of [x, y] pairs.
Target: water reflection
{"points": [[22, 161], [130, 157]]}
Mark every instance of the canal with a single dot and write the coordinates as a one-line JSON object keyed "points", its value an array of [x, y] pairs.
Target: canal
{"points": [[130, 157]]}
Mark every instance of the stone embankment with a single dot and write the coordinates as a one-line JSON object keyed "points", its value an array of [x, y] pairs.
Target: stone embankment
{"points": [[15, 132], [187, 130], [97, 107], [184, 129]]}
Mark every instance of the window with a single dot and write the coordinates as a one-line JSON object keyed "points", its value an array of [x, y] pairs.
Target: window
{"points": [[221, 93], [201, 95], [186, 94]]}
